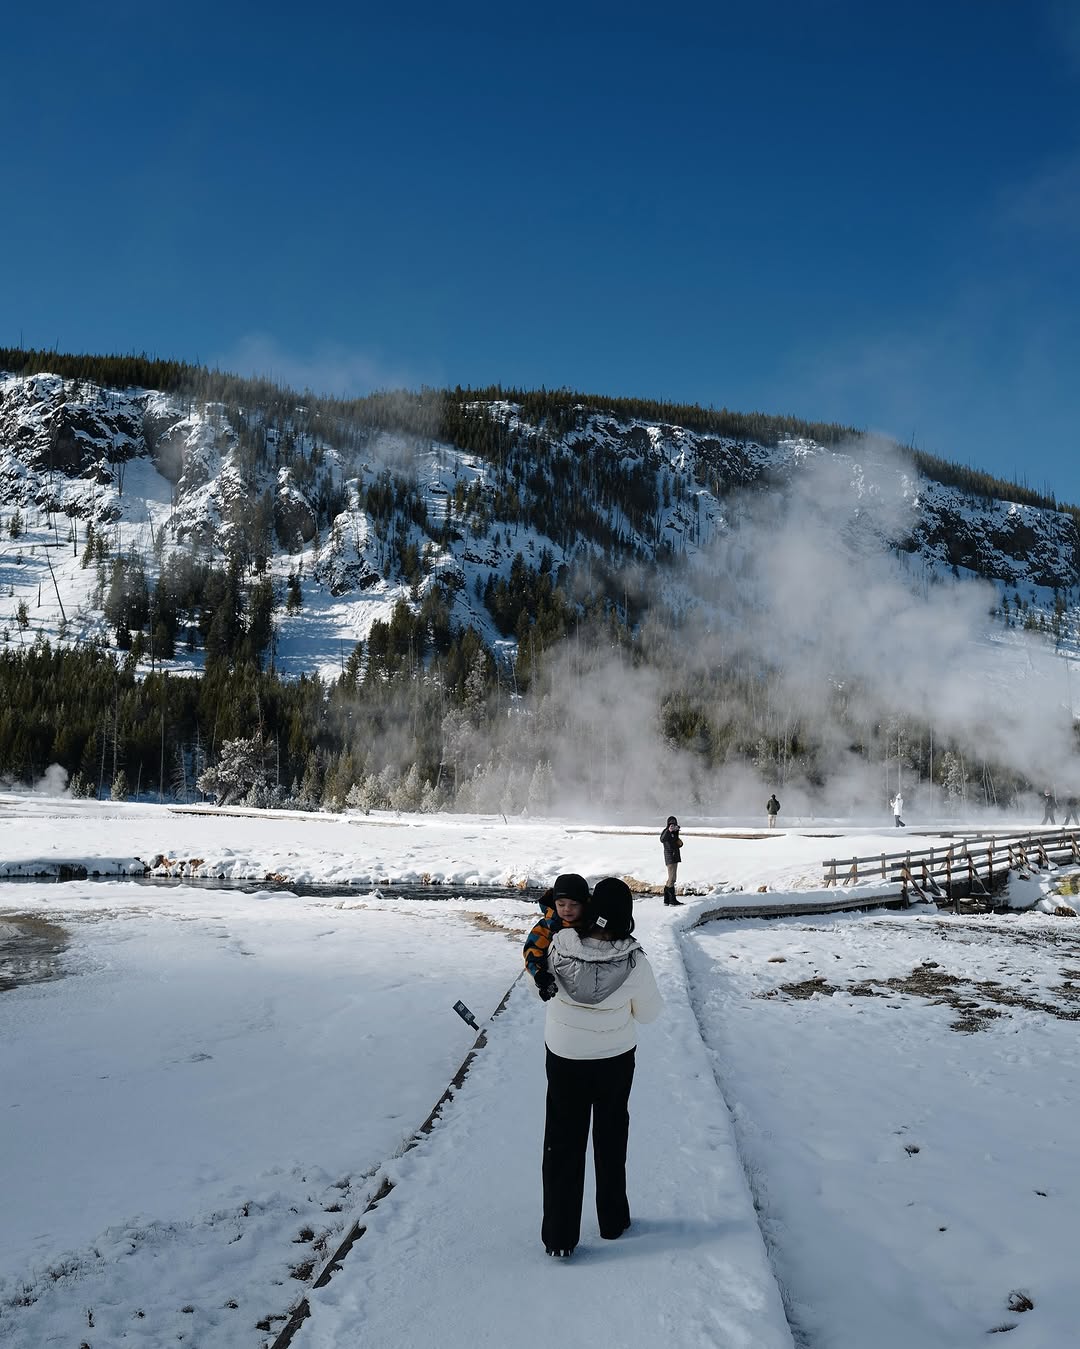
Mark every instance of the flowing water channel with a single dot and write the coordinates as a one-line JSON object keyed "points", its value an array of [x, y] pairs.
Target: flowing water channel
{"points": [[30, 950]]}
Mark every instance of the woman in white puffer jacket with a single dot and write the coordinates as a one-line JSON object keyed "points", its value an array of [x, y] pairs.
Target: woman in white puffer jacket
{"points": [[605, 986]]}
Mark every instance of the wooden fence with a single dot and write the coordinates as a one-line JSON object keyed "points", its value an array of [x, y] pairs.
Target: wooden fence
{"points": [[968, 866]]}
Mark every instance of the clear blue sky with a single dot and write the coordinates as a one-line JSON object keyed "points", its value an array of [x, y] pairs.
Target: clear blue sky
{"points": [[847, 211]]}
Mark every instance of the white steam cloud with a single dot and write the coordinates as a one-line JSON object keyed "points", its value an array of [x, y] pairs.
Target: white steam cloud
{"points": [[802, 583]]}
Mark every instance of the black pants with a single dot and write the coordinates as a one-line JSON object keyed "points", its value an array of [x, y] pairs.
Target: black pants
{"points": [[577, 1090]]}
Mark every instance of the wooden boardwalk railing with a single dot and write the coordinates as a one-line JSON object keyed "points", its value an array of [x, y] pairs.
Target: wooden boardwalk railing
{"points": [[969, 865]]}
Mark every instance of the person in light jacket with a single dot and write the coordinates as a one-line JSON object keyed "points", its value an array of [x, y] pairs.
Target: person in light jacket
{"points": [[898, 810], [605, 986]]}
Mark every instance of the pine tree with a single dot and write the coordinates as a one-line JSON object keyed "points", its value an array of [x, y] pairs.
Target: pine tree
{"points": [[241, 765], [541, 786], [366, 795], [311, 784], [408, 793], [953, 778]]}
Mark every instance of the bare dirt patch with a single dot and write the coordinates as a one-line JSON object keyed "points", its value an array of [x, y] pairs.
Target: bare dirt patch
{"points": [[486, 924], [977, 1002]]}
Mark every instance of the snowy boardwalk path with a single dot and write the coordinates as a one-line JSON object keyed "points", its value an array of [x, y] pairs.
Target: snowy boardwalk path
{"points": [[452, 1257]]}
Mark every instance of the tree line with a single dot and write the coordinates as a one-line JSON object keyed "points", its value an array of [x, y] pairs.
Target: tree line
{"points": [[423, 717]]}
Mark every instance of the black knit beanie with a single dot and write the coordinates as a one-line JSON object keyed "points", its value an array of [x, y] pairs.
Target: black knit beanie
{"points": [[571, 886], [612, 907]]}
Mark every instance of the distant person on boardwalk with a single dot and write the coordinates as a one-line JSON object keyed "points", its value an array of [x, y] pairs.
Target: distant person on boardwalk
{"points": [[898, 810], [1072, 805], [604, 985], [1048, 807], [564, 905], [672, 857], [772, 809]]}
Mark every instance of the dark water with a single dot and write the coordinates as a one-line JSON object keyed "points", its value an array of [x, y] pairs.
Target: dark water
{"points": [[30, 950], [252, 887]]}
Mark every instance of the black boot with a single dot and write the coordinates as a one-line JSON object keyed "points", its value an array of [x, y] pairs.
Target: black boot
{"points": [[669, 895]]}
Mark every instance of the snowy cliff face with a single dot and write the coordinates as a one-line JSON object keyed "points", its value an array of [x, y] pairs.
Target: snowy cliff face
{"points": [[1000, 540], [364, 518], [53, 431], [66, 446], [107, 457]]}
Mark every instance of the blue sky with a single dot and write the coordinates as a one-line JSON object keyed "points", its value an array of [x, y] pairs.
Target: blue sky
{"points": [[849, 212]]}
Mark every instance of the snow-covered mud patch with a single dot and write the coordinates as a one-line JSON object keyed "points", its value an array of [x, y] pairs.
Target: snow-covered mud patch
{"points": [[191, 1116], [917, 1185]]}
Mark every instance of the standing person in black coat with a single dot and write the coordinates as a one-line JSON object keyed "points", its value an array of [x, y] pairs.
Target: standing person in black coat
{"points": [[1048, 807], [772, 809], [672, 857]]}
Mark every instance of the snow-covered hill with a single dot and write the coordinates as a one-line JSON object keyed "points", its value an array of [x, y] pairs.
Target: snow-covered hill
{"points": [[381, 514]]}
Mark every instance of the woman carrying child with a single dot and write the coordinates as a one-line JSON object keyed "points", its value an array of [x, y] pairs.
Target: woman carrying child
{"points": [[603, 985]]}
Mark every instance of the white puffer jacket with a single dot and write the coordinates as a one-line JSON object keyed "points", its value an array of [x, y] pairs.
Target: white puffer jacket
{"points": [[603, 988]]}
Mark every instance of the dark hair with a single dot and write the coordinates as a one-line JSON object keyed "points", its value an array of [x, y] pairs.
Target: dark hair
{"points": [[612, 907]]}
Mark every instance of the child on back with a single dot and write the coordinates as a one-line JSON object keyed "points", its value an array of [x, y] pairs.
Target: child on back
{"points": [[565, 905]]}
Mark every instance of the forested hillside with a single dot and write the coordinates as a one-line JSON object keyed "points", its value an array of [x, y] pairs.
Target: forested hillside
{"points": [[476, 599]]}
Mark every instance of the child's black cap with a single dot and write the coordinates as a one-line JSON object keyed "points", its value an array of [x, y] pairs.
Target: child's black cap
{"points": [[571, 886]]}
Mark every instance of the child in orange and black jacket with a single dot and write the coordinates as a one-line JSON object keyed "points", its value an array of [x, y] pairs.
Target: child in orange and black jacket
{"points": [[565, 905]]}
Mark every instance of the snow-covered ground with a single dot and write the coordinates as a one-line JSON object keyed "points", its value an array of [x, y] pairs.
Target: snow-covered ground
{"points": [[847, 1131]]}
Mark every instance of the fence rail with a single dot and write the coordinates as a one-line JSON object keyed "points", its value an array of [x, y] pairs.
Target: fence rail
{"points": [[968, 865]]}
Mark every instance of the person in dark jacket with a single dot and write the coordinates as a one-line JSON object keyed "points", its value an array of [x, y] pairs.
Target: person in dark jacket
{"points": [[1072, 806], [772, 809], [1048, 807], [672, 857], [605, 986]]}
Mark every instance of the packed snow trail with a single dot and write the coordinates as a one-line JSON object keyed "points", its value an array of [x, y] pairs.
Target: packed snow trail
{"points": [[453, 1257]]}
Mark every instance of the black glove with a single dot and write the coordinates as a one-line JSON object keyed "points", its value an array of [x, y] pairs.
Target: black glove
{"points": [[546, 985]]}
